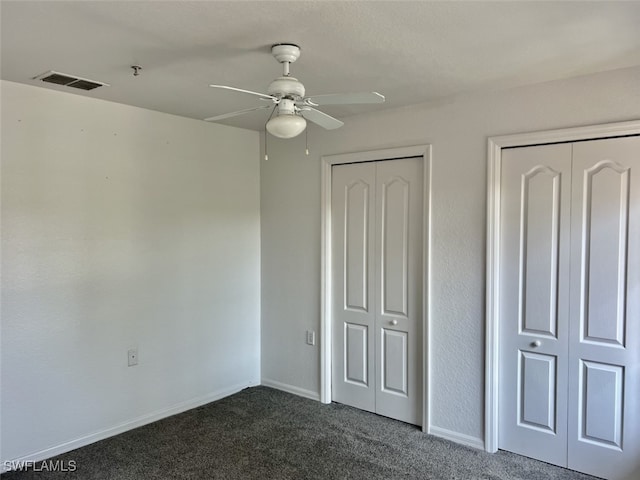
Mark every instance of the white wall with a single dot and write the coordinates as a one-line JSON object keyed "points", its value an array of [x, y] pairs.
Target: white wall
{"points": [[458, 130], [121, 228]]}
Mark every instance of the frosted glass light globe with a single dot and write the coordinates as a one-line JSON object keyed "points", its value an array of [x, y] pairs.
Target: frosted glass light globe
{"points": [[286, 126]]}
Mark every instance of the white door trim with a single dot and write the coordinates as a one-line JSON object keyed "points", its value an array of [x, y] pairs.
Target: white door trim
{"points": [[494, 157], [423, 151]]}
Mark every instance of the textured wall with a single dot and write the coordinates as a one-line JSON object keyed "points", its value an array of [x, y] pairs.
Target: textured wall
{"points": [[121, 228], [458, 130]]}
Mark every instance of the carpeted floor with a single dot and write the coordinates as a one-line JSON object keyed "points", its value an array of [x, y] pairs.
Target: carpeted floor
{"points": [[262, 433]]}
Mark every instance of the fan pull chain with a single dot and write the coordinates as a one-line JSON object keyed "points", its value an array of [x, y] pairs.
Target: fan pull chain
{"points": [[306, 141], [266, 134], [266, 156]]}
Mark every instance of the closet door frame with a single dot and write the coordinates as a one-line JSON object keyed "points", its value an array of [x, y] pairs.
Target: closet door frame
{"points": [[423, 152], [494, 167]]}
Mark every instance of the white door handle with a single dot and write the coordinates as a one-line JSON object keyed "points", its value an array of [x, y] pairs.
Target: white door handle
{"points": [[535, 344], [394, 322]]}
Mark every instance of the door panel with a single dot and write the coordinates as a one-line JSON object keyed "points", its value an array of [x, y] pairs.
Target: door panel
{"points": [[394, 249], [352, 208], [600, 403], [395, 360], [357, 239], [399, 289], [570, 305], [376, 211], [537, 391], [534, 306], [604, 232], [539, 228], [604, 367], [356, 354]]}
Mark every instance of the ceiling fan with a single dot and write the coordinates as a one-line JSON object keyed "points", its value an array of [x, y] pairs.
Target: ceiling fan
{"points": [[287, 97]]}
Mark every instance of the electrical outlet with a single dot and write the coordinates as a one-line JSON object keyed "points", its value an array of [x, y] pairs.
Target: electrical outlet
{"points": [[311, 337], [132, 356]]}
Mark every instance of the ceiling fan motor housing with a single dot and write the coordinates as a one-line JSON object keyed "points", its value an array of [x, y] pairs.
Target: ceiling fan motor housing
{"points": [[286, 107], [286, 87]]}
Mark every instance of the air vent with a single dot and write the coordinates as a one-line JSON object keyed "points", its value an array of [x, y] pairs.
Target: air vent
{"points": [[69, 80]]}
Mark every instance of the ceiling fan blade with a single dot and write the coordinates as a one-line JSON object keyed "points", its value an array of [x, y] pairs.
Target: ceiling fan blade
{"points": [[320, 118], [345, 99], [234, 114], [261, 95]]}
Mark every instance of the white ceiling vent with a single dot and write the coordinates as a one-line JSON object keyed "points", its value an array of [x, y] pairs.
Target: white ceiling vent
{"points": [[69, 80]]}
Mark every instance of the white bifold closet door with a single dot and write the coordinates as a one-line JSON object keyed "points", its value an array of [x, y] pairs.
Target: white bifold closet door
{"points": [[376, 217], [570, 305]]}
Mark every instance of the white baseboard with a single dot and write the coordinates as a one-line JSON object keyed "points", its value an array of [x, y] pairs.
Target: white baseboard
{"points": [[456, 437], [285, 387], [123, 427]]}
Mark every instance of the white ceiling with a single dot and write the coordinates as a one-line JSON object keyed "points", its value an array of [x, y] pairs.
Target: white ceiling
{"points": [[412, 52]]}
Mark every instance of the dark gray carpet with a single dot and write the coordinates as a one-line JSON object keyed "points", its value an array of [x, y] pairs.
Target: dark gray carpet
{"points": [[262, 433]]}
